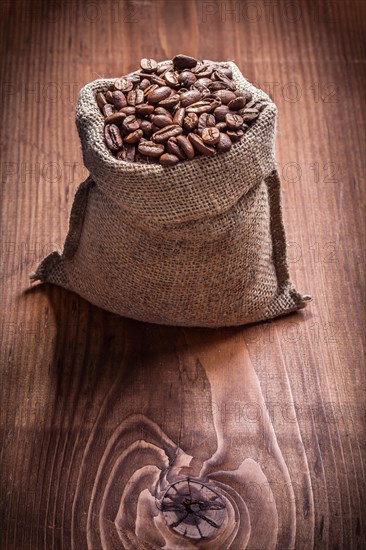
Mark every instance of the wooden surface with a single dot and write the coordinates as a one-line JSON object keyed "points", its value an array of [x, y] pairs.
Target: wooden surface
{"points": [[99, 414]]}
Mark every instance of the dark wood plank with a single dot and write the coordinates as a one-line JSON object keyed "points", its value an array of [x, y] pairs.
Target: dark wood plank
{"points": [[100, 414]]}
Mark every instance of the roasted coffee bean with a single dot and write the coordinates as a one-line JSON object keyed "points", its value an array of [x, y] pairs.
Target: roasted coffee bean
{"points": [[221, 77], [109, 97], [146, 127], [162, 111], [221, 112], [150, 149], [144, 84], [190, 122], [237, 103], [101, 100], [123, 84], [155, 79], [210, 136], [200, 146], [148, 65], [179, 116], [187, 98], [250, 115], [165, 66], [202, 71], [127, 153], [135, 79], [173, 148], [158, 94], [128, 110], [224, 143], [228, 72], [235, 135], [119, 99], [167, 159], [115, 118], [203, 82], [205, 121], [108, 109], [250, 104], [113, 137], [186, 146], [226, 96], [134, 137], [187, 78], [222, 126], [150, 89], [161, 121], [135, 96], [144, 109], [130, 124], [171, 78], [170, 102], [233, 121], [200, 107], [164, 134], [216, 86], [184, 61]]}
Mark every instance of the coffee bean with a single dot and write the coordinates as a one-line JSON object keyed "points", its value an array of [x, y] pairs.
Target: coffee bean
{"points": [[171, 78], [158, 94], [101, 100], [115, 118], [228, 72], [108, 109], [161, 121], [119, 99], [168, 159], [150, 149], [128, 110], [123, 84], [165, 66], [203, 82], [155, 79], [221, 77], [187, 78], [187, 98], [135, 79], [173, 148], [179, 116], [144, 84], [170, 102], [222, 126], [148, 65], [237, 103], [144, 109], [205, 120], [202, 71], [200, 146], [250, 115], [146, 127], [134, 137], [190, 122], [226, 96], [150, 89], [186, 146], [113, 137], [130, 124], [221, 112], [233, 121], [128, 153], [109, 97], [216, 86], [210, 136], [135, 96], [159, 110], [224, 143], [184, 61], [164, 134], [199, 107], [235, 135]]}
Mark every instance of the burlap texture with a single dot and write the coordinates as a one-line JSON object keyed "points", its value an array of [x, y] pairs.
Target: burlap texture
{"points": [[198, 244]]}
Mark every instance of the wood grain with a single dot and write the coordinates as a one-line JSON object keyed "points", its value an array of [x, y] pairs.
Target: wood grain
{"points": [[101, 415]]}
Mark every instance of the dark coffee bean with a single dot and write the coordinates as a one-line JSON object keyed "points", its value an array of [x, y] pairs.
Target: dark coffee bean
{"points": [[165, 66], [200, 107], [187, 78], [108, 109], [205, 120], [135, 78], [109, 97], [226, 96], [150, 89], [113, 137], [221, 112], [221, 77], [250, 115], [170, 102], [148, 65], [244, 127], [184, 61], [171, 78], [235, 135], [203, 82], [201, 87], [146, 127], [162, 111], [134, 137], [164, 134], [179, 116], [248, 96], [155, 79], [259, 106], [237, 103], [186, 146], [158, 94], [144, 84], [187, 98], [123, 84], [128, 110], [203, 71], [101, 100], [119, 99], [115, 118], [200, 146], [222, 126], [224, 143], [190, 122], [228, 72], [150, 149], [144, 109], [161, 121], [130, 124], [233, 121], [173, 148], [154, 128], [216, 86], [127, 153], [168, 159], [135, 96], [250, 104], [210, 136]]}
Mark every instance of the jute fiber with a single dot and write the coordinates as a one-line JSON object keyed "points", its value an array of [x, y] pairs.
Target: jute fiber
{"points": [[198, 244]]}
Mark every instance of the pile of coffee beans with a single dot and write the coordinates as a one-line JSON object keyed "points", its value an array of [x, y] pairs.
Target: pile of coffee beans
{"points": [[175, 110]]}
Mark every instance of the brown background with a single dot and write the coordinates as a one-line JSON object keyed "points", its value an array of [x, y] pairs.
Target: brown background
{"points": [[70, 373]]}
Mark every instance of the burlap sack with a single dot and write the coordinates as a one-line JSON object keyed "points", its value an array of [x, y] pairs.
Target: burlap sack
{"points": [[198, 244]]}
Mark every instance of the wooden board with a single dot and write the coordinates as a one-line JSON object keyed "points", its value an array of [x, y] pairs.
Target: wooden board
{"points": [[112, 430]]}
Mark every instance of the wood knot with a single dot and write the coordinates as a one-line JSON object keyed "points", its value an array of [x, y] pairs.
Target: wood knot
{"points": [[193, 509]]}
